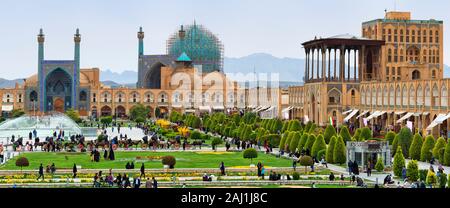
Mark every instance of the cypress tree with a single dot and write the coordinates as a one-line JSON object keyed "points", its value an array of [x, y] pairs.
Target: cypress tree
{"points": [[318, 145], [288, 141], [427, 147], [310, 142], [295, 126], [294, 142], [345, 134], [330, 149], [390, 136], [416, 146], [405, 140], [329, 132], [283, 140], [399, 162], [447, 155], [339, 152], [302, 142], [395, 145], [412, 170], [440, 144]]}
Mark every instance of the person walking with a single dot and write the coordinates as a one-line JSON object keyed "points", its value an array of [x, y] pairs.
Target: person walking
{"points": [[142, 171], [41, 172], [148, 183], [74, 171], [294, 164], [155, 183], [137, 183], [222, 168], [350, 167], [369, 169], [263, 170], [259, 165]]}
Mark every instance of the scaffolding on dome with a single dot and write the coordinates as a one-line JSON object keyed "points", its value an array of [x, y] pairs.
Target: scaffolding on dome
{"points": [[201, 45]]}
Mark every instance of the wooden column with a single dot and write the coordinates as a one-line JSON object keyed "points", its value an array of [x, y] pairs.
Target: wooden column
{"points": [[324, 63], [318, 67], [341, 63], [312, 64], [306, 65], [329, 65], [348, 63], [334, 77], [355, 67], [362, 68]]}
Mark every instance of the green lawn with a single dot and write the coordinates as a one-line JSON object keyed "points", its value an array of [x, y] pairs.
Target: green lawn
{"points": [[184, 160]]}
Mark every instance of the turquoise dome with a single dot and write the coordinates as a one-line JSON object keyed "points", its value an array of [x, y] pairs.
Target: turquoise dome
{"points": [[200, 45]]}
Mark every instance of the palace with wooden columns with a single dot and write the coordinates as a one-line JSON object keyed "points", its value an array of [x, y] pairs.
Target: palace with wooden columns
{"points": [[390, 77]]}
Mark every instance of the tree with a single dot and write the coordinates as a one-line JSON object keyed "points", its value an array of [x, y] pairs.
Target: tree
{"points": [[169, 161], [288, 141], [22, 162], [74, 115], [442, 180], [216, 141], [283, 140], [366, 134], [137, 111], [329, 132], [285, 126], [310, 142], [195, 135], [431, 178], [250, 153], [294, 142], [345, 134], [330, 149], [412, 170], [447, 154], [395, 145], [339, 152], [15, 113], [427, 147], [415, 148], [390, 136], [318, 145], [295, 126], [379, 166], [440, 144], [404, 140], [399, 162], [306, 161], [106, 120], [302, 142]]}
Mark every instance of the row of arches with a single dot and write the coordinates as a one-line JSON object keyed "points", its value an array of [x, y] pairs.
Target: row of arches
{"points": [[405, 95], [163, 97]]}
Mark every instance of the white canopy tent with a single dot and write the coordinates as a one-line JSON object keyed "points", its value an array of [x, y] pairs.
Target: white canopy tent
{"points": [[347, 112], [439, 120], [362, 114], [405, 117], [353, 113]]}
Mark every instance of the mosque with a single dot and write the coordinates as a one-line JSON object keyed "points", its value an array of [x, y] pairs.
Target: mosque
{"points": [[189, 78]]}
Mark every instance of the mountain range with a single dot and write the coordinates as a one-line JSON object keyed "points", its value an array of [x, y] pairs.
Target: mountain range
{"points": [[290, 70]]}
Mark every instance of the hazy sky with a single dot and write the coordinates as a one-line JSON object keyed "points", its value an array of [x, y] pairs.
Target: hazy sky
{"points": [[109, 27]]}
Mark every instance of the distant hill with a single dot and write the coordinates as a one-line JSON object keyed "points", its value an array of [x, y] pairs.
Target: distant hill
{"points": [[124, 77], [289, 69], [113, 84], [4, 83]]}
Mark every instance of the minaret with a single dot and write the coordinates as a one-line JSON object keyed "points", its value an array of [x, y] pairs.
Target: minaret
{"points": [[76, 71], [41, 78], [141, 41]]}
